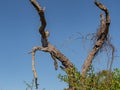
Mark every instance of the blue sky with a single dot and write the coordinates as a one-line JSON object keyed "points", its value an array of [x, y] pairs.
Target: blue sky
{"points": [[19, 23]]}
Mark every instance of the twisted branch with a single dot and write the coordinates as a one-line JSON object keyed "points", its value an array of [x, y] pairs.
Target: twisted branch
{"points": [[46, 46], [44, 38], [102, 35]]}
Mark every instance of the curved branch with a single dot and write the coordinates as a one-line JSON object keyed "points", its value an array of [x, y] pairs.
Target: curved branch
{"points": [[33, 63], [46, 46], [102, 7], [102, 35], [55, 54], [44, 38]]}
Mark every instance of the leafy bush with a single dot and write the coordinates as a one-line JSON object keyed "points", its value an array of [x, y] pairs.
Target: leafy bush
{"points": [[103, 80]]}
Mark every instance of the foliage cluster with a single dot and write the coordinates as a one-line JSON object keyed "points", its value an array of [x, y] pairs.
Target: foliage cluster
{"points": [[103, 80]]}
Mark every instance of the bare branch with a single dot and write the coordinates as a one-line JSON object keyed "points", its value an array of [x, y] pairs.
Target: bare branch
{"points": [[112, 59], [33, 63], [102, 7], [46, 46], [55, 54], [102, 35], [40, 11], [55, 60]]}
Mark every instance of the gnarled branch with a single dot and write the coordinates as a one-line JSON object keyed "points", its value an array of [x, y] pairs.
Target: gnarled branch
{"points": [[46, 46], [44, 38], [55, 54], [102, 35]]}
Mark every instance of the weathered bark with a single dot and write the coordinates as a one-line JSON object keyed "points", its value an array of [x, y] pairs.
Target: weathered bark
{"points": [[44, 38], [102, 35], [46, 46], [56, 54]]}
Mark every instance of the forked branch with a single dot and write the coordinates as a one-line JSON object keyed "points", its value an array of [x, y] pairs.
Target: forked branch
{"points": [[46, 46], [56, 54]]}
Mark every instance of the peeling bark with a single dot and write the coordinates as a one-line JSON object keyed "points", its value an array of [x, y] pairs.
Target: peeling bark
{"points": [[102, 35]]}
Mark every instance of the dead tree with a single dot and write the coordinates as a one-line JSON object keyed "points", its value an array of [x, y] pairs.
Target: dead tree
{"points": [[56, 54], [101, 36], [46, 46]]}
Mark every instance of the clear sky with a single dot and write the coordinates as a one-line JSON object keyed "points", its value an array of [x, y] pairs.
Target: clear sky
{"points": [[19, 23]]}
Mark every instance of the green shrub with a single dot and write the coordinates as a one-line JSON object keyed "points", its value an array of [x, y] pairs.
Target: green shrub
{"points": [[103, 80]]}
